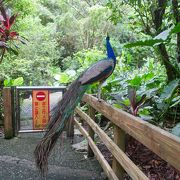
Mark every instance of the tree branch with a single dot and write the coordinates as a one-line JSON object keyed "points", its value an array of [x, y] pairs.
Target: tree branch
{"points": [[146, 26], [158, 14]]}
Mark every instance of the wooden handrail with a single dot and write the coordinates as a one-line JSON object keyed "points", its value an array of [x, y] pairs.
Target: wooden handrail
{"points": [[104, 164], [161, 142], [134, 172]]}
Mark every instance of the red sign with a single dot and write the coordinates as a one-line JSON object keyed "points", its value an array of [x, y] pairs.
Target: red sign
{"points": [[40, 96], [40, 109]]}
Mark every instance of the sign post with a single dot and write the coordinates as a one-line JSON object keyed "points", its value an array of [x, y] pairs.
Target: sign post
{"points": [[40, 104]]}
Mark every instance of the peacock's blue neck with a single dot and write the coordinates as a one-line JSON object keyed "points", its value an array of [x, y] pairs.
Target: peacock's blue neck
{"points": [[110, 52]]}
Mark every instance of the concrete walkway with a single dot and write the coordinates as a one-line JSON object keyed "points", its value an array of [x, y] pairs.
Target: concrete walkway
{"points": [[17, 162]]}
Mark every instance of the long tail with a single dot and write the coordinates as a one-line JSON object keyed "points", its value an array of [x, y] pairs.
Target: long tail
{"points": [[59, 117]]}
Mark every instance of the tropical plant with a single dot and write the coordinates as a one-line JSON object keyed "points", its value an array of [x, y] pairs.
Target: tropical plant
{"points": [[66, 37], [14, 82], [132, 104], [166, 105], [6, 34], [159, 22]]}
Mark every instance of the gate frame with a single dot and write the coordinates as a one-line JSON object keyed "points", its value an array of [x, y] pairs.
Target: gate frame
{"points": [[12, 109]]}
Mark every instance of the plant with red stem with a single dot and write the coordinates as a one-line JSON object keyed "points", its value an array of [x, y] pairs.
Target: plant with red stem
{"points": [[6, 22]]}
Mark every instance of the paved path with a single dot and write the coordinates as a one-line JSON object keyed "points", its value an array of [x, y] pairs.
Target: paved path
{"points": [[17, 162]]}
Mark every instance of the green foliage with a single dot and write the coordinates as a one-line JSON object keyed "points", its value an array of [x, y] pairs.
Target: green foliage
{"points": [[81, 61], [163, 37], [157, 23], [13, 82], [168, 94], [66, 77], [150, 42], [148, 81], [8, 37], [23, 7], [176, 29], [65, 37], [168, 91], [133, 103]]}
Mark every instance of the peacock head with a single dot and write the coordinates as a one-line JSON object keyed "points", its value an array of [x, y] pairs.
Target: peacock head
{"points": [[107, 37], [110, 52]]}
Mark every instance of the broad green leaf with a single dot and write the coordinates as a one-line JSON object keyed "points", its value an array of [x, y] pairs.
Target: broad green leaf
{"points": [[150, 42], [126, 102], [8, 82], [117, 106], [148, 76], [64, 78], [176, 29], [163, 36], [143, 111], [135, 82], [169, 90], [18, 82]]}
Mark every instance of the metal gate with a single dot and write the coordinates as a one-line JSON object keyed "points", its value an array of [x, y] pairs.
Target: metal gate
{"points": [[22, 120]]}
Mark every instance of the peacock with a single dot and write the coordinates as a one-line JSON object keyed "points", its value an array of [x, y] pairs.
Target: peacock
{"points": [[64, 109]]}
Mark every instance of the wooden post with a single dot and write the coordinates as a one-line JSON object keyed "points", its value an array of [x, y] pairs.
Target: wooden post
{"points": [[8, 129], [90, 131], [81, 121], [119, 139], [17, 112], [70, 127]]}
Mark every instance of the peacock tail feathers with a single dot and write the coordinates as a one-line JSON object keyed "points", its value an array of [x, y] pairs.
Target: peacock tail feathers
{"points": [[59, 117]]}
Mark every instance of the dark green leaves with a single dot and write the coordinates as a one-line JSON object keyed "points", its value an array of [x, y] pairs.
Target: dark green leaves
{"points": [[160, 38], [13, 51], [150, 42], [176, 29], [169, 90], [135, 82]]}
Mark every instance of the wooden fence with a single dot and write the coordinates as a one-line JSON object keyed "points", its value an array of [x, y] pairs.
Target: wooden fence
{"points": [[164, 144]]}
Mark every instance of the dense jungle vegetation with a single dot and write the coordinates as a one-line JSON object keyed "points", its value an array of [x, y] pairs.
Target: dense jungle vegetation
{"points": [[55, 40]]}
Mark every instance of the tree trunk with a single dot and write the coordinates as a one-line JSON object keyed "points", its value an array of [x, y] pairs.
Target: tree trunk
{"points": [[170, 69], [172, 72], [176, 14]]}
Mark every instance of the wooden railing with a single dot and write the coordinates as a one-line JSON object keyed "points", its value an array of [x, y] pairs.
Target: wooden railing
{"points": [[164, 144]]}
